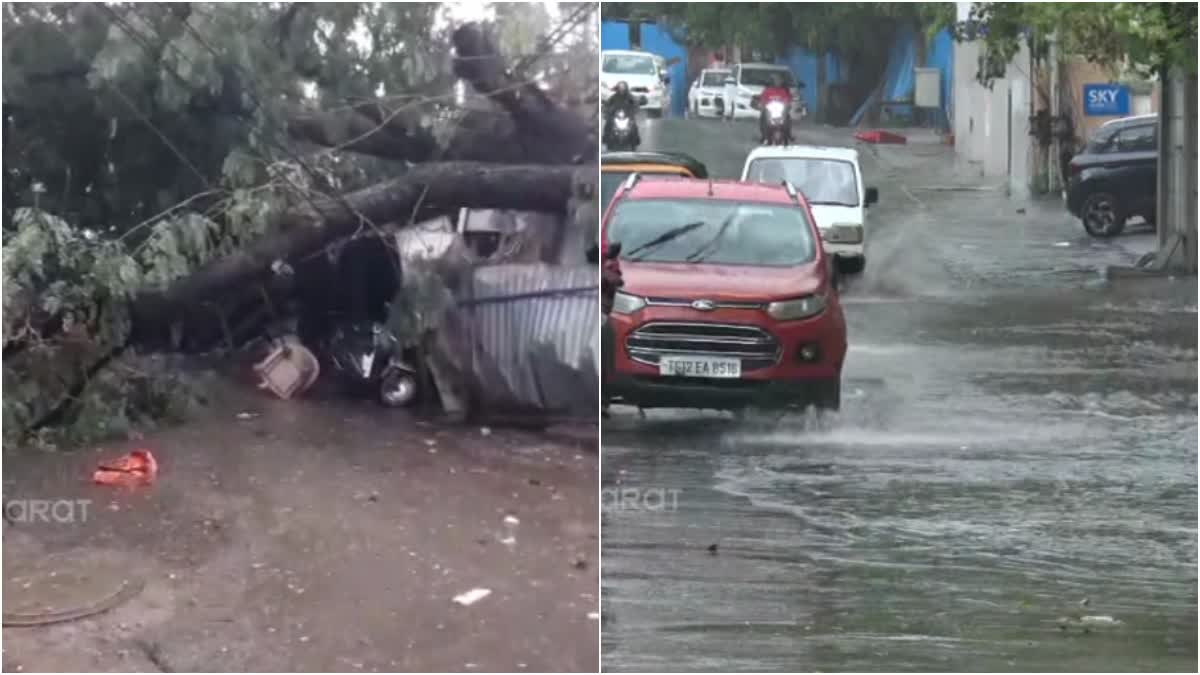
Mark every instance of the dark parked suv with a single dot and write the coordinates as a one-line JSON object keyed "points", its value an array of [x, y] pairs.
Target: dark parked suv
{"points": [[1116, 176]]}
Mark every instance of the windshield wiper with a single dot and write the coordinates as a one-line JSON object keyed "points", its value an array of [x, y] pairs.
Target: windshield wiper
{"points": [[663, 238], [696, 256]]}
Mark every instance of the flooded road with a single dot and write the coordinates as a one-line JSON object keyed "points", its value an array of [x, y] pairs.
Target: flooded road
{"points": [[1010, 484]]}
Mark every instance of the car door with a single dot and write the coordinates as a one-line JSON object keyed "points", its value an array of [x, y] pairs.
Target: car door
{"points": [[1133, 162]]}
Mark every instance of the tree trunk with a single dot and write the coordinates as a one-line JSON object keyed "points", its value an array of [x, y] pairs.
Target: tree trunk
{"points": [[433, 189]]}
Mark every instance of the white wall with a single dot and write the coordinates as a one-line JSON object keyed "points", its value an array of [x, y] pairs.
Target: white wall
{"points": [[982, 135]]}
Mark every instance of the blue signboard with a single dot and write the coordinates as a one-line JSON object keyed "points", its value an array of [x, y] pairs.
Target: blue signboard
{"points": [[1105, 100]]}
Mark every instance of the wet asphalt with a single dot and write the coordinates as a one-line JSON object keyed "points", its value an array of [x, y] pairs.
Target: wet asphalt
{"points": [[1010, 484]]}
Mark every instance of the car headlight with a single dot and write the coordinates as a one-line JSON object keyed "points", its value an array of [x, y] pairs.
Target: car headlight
{"points": [[800, 308], [843, 233], [624, 303]]}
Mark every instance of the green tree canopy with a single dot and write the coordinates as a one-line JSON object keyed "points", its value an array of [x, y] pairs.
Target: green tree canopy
{"points": [[1145, 36]]}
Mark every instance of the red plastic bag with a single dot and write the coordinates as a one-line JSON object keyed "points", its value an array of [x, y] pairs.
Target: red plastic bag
{"points": [[136, 468]]}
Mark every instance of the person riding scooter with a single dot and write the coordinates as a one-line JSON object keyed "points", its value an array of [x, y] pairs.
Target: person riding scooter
{"points": [[778, 91], [621, 100]]}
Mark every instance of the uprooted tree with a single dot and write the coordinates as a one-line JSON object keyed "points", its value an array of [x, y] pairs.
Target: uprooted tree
{"points": [[161, 158]]}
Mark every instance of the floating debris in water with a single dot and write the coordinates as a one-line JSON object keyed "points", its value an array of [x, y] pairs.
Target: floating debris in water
{"points": [[472, 596]]}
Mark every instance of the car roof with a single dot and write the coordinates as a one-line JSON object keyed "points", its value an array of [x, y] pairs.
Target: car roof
{"points": [[772, 66], [1133, 119], [625, 52], [728, 190], [693, 165], [805, 152]]}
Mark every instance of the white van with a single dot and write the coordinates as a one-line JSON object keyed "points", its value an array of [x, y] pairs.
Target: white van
{"points": [[831, 180]]}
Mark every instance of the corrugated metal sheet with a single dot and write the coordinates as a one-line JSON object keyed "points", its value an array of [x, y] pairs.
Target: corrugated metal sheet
{"points": [[526, 337]]}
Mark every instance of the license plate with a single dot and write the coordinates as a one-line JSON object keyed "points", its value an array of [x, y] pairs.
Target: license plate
{"points": [[699, 366]]}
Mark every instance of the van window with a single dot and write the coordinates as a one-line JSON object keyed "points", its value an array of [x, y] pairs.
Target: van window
{"points": [[823, 181]]}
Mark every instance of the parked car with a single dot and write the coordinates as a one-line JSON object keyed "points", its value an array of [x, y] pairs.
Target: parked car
{"points": [[616, 167], [644, 73], [705, 97], [752, 78], [832, 182], [728, 299], [1116, 176]]}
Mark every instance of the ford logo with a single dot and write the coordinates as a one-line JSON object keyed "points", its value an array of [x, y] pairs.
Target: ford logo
{"points": [[704, 305]]}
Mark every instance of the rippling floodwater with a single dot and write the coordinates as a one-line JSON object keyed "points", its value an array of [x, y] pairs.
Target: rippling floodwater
{"points": [[1010, 485]]}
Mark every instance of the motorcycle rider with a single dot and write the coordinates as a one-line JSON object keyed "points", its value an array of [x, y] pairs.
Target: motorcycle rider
{"points": [[778, 91], [621, 99]]}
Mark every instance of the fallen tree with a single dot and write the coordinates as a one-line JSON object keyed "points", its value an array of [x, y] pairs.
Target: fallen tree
{"points": [[75, 303], [425, 191]]}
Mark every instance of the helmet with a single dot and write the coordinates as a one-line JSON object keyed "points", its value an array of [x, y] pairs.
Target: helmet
{"points": [[622, 87]]}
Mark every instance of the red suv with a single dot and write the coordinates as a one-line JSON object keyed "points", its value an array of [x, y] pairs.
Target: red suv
{"points": [[728, 301]]}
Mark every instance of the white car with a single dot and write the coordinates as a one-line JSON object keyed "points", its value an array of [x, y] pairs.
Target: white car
{"points": [[705, 91], [831, 180], [645, 73], [752, 78]]}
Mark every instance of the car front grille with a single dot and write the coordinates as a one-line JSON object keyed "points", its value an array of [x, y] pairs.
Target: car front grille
{"points": [[640, 90], [754, 346]]}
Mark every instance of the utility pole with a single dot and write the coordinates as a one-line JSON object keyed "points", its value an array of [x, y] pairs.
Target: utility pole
{"points": [[1053, 180], [1177, 173]]}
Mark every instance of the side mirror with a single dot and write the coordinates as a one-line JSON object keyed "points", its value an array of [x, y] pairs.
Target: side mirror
{"points": [[612, 251], [871, 197], [666, 79]]}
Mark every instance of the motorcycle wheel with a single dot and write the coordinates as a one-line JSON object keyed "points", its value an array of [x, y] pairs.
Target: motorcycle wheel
{"points": [[398, 389]]}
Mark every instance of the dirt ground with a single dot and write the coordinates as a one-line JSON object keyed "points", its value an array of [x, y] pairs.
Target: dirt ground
{"points": [[321, 537]]}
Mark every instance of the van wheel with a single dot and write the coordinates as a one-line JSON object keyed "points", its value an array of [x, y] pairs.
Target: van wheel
{"points": [[1102, 215]]}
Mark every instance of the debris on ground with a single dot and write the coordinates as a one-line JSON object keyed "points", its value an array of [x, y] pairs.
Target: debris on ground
{"points": [[131, 470], [472, 596], [289, 369]]}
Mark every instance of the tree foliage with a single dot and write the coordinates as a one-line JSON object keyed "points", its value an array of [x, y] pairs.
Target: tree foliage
{"points": [[845, 28], [1142, 35], [144, 140]]}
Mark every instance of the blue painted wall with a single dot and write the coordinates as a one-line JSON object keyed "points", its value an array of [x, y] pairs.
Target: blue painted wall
{"points": [[899, 78], [614, 35], [657, 41], [803, 65]]}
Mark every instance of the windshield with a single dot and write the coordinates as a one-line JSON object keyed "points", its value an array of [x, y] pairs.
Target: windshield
{"points": [[823, 181], [714, 78], [764, 77], [716, 232], [629, 64]]}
